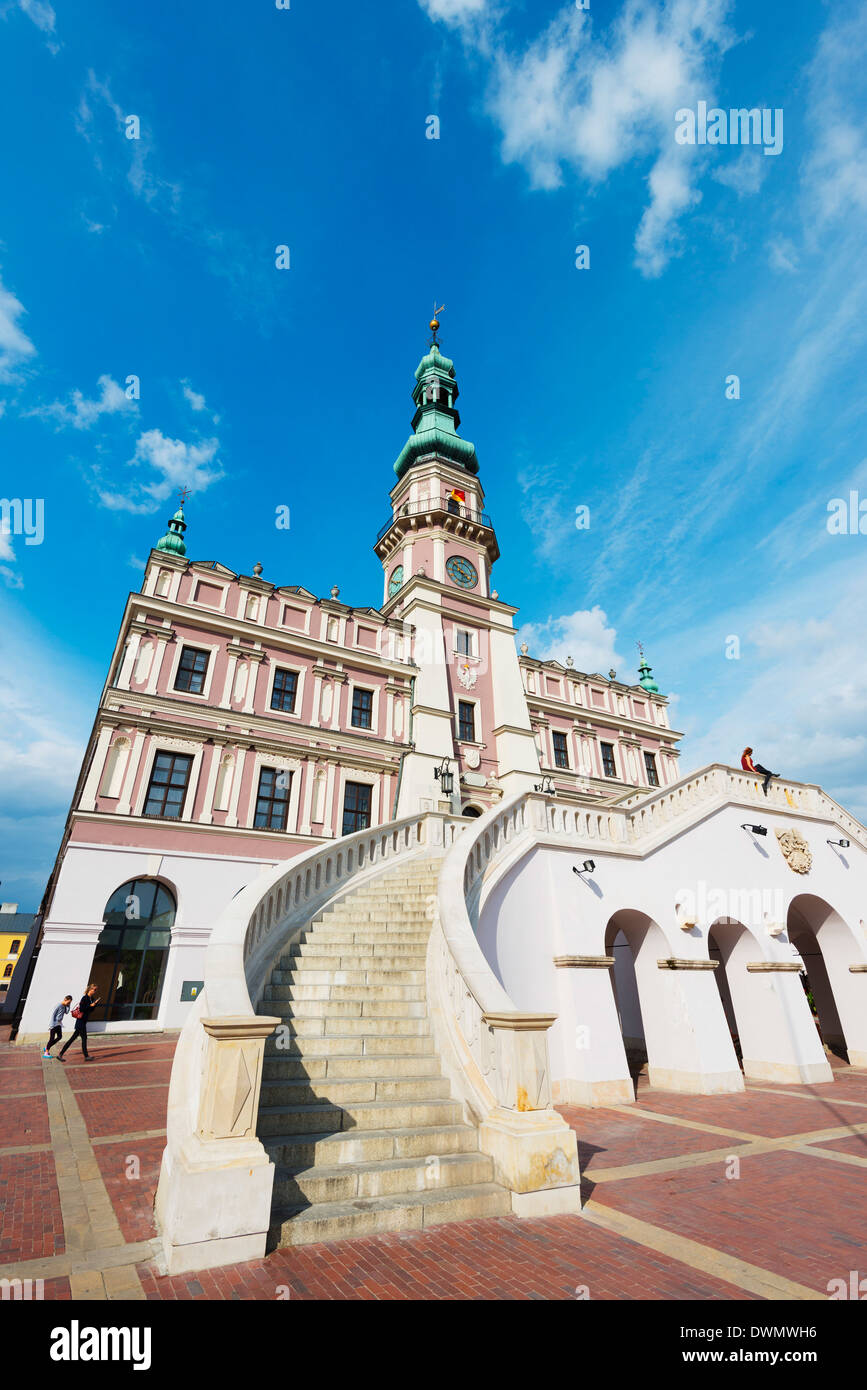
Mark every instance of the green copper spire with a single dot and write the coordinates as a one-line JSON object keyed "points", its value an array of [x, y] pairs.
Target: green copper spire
{"points": [[173, 540], [645, 674], [436, 420]]}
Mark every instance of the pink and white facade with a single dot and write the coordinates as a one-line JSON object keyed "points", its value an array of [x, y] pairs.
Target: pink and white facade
{"points": [[244, 721]]}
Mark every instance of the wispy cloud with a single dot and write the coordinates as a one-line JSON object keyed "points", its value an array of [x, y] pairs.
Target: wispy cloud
{"points": [[585, 636], [81, 413], [15, 347], [589, 101], [173, 464]]}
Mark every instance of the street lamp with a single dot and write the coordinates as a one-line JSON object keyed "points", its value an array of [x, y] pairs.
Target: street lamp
{"points": [[844, 844], [546, 786], [587, 868], [445, 777], [756, 829]]}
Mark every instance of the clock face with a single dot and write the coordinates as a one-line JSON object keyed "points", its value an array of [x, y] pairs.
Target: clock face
{"points": [[461, 571], [396, 581]]}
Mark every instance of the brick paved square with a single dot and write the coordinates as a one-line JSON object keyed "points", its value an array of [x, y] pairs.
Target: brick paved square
{"points": [[115, 1111], [132, 1197], [30, 1219]]}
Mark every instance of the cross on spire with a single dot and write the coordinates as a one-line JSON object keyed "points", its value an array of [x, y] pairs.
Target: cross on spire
{"points": [[184, 494]]}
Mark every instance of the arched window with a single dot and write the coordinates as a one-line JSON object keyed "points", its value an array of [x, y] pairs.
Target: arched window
{"points": [[133, 948], [471, 812]]}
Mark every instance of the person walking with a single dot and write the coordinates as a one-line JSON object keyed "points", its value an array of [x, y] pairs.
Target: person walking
{"points": [[86, 1005], [749, 766], [56, 1025]]}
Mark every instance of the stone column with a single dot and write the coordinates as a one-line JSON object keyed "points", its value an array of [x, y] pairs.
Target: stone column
{"points": [[593, 1065], [214, 1198], [534, 1151]]}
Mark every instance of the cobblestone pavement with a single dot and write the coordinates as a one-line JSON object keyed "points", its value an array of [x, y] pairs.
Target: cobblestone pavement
{"points": [[751, 1196]]}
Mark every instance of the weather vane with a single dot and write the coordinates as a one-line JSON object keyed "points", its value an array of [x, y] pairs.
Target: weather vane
{"points": [[184, 494], [435, 323]]}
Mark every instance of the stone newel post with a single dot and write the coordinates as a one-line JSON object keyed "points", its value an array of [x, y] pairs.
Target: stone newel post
{"points": [[213, 1203], [534, 1151]]}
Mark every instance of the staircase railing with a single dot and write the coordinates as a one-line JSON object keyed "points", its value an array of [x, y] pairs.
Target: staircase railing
{"points": [[214, 1196]]}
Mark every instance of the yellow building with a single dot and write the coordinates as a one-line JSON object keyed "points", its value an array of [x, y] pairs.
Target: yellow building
{"points": [[14, 926]]}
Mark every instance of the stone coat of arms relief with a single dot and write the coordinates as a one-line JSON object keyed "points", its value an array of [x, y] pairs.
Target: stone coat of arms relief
{"points": [[795, 850]]}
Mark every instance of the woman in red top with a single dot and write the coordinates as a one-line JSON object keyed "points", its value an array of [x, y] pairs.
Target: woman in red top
{"points": [[749, 766]]}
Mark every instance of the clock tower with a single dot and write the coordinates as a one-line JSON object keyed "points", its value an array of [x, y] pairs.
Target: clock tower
{"points": [[437, 552]]}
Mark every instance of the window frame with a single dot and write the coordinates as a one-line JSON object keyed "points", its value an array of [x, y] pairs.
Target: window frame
{"points": [[605, 759], [367, 789], [272, 800], [296, 676], [462, 736], [173, 755], [362, 690], [563, 749], [651, 770]]}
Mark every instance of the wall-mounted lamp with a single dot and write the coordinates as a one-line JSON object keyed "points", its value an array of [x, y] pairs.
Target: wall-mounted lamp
{"points": [[546, 786], [587, 868], [445, 777], [844, 844], [756, 829]]}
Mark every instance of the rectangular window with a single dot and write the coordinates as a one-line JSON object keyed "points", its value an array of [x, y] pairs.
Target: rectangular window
{"points": [[362, 708], [272, 799], [466, 721], [561, 750], [650, 767], [284, 691], [356, 807], [192, 669], [15, 947], [608, 764], [168, 785], [463, 642]]}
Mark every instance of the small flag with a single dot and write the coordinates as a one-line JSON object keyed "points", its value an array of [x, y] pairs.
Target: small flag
{"points": [[458, 496]]}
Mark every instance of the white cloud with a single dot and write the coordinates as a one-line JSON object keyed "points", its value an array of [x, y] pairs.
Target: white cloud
{"points": [[455, 11], [836, 171], [783, 255], [572, 99], [583, 635], [195, 398], [40, 12], [175, 463], [744, 174], [15, 346], [82, 413]]}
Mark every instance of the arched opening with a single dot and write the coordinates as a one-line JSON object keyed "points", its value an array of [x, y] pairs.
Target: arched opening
{"points": [[637, 943], [824, 942], [129, 965], [628, 1005], [471, 811]]}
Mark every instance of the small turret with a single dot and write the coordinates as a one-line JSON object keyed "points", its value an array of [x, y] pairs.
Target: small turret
{"points": [[173, 540], [645, 674]]}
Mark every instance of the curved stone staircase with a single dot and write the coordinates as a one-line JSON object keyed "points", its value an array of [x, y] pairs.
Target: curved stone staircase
{"points": [[355, 1111]]}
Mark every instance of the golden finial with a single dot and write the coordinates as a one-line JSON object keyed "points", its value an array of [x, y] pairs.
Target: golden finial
{"points": [[435, 323]]}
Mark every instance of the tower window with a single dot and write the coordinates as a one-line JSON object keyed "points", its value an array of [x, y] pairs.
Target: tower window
{"points": [[356, 807], [167, 789], [285, 690], [272, 800], [192, 669], [650, 768], [561, 750], [463, 642], [466, 721], [362, 708], [609, 766]]}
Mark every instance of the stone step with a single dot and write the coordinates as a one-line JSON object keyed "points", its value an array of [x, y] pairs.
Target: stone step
{"points": [[385, 1178], [368, 1146], [403, 1212], [342, 1045], [388, 940], [342, 1008], [361, 1114], [340, 1064], [358, 957], [314, 975], [345, 1090], [370, 1026], [305, 992]]}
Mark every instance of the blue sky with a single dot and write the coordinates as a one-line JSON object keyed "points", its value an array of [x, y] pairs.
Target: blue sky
{"points": [[603, 387]]}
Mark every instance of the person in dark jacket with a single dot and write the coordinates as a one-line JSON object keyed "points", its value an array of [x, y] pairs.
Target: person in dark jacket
{"points": [[56, 1025], [749, 766], [86, 1005]]}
